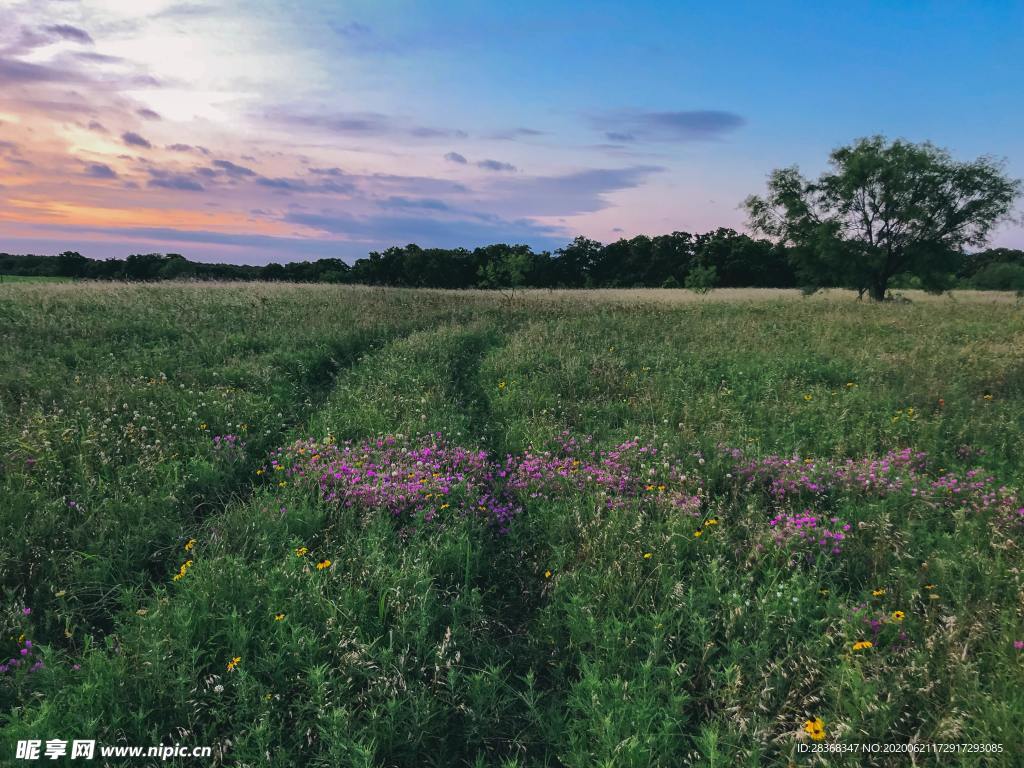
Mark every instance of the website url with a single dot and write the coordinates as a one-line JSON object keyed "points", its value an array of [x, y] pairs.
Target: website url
{"points": [[86, 749]]}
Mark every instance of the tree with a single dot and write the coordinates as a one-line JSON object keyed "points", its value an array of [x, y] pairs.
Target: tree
{"points": [[882, 210]]}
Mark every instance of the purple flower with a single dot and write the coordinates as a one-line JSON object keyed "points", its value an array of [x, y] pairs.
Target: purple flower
{"points": [[26, 611], [1018, 644]]}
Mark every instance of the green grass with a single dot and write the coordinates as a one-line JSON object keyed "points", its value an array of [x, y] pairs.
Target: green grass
{"points": [[32, 279], [451, 645]]}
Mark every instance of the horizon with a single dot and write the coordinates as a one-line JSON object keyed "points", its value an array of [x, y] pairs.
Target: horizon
{"points": [[305, 131]]}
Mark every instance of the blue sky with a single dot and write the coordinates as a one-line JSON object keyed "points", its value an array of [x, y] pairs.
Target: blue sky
{"points": [[271, 130]]}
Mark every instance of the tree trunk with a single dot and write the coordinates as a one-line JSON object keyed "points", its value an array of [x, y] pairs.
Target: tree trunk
{"points": [[877, 289]]}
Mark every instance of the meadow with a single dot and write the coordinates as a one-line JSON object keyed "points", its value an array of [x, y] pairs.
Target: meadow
{"points": [[322, 525]]}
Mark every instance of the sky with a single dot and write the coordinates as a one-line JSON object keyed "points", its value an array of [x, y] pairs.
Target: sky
{"points": [[251, 131]]}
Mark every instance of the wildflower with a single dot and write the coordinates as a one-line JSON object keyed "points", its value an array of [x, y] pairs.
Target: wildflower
{"points": [[929, 587], [877, 592], [1018, 644], [712, 521], [234, 663], [698, 533], [218, 688], [862, 645], [501, 385], [898, 615], [823, 592], [282, 484], [26, 611], [808, 398], [259, 471], [547, 574], [815, 728], [189, 544], [183, 570], [850, 385], [648, 555], [278, 617], [323, 564], [302, 551], [987, 396]]}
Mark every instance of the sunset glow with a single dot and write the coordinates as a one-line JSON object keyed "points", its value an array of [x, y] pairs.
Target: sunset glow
{"points": [[283, 131]]}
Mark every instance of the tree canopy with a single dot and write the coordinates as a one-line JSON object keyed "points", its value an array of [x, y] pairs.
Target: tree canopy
{"points": [[882, 210]]}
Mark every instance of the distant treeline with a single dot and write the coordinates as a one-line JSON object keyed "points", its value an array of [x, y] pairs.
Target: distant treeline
{"points": [[719, 259]]}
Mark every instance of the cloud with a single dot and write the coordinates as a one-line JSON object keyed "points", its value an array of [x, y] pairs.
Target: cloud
{"points": [[232, 170], [181, 148], [147, 114], [68, 32], [96, 126], [327, 171], [422, 132], [516, 133], [696, 125], [495, 165], [327, 186], [398, 202], [100, 171], [14, 72], [566, 194], [168, 180], [133, 139], [455, 157], [436, 232], [352, 29], [357, 123]]}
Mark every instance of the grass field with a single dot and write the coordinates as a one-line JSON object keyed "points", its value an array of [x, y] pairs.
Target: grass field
{"points": [[332, 526]]}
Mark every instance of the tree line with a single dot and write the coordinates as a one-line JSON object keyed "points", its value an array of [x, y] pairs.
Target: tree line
{"points": [[719, 259], [885, 214]]}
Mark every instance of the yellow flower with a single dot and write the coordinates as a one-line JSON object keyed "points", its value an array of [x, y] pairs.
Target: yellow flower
{"points": [[808, 398], [712, 521], [202, 425], [987, 396], [862, 645], [282, 484], [648, 555], [189, 544], [929, 586], [698, 533], [850, 385], [547, 574], [815, 728], [824, 592], [877, 592], [501, 385], [445, 506], [182, 570], [234, 663], [279, 617], [898, 615], [302, 551], [323, 564], [259, 471]]}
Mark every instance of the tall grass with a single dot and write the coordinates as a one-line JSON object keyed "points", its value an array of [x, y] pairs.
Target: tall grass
{"points": [[609, 625]]}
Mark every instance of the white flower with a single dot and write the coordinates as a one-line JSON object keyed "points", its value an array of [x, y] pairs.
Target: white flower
{"points": [[218, 689]]}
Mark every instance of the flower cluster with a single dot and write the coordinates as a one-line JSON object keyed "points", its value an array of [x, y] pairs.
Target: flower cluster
{"points": [[897, 472], [230, 448], [630, 470], [431, 479], [413, 481], [809, 533]]}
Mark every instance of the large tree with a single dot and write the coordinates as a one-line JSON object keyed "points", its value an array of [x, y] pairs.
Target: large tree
{"points": [[884, 209]]}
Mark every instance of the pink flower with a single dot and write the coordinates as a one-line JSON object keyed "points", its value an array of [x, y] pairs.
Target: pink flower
{"points": [[1018, 644]]}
